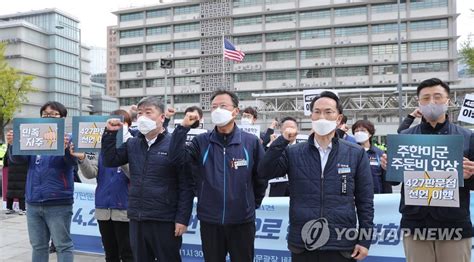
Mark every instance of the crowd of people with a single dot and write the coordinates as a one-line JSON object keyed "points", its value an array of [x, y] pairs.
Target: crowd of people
{"points": [[146, 186]]}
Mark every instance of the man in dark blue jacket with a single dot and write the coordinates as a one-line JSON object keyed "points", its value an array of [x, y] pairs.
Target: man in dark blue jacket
{"points": [[49, 195], [433, 97], [160, 195], [329, 179], [229, 189]]}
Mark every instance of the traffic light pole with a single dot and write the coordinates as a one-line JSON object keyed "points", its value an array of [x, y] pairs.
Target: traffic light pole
{"points": [[166, 89]]}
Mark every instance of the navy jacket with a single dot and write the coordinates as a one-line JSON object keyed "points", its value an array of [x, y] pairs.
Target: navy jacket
{"points": [[442, 217], [229, 189], [159, 190], [315, 194], [50, 179], [381, 186], [112, 187]]}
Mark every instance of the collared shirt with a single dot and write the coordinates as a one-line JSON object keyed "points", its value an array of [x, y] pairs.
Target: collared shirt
{"points": [[150, 142], [323, 153]]}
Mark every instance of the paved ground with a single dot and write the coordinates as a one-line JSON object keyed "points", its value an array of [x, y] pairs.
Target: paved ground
{"points": [[15, 246]]}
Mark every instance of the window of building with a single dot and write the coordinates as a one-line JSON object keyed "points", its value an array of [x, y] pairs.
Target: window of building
{"points": [[131, 84], [187, 80], [184, 10], [131, 50], [280, 56], [131, 67], [315, 33], [186, 27], [187, 45], [429, 46], [248, 77], [352, 71], [253, 20], [429, 67], [388, 69], [316, 73], [388, 28], [158, 30], [350, 31], [352, 51], [156, 82], [244, 3], [186, 63], [348, 11], [158, 13], [422, 4], [315, 53], [385, 8], [250, 58], [308, 15], [248, 39], [156, 48], [429, 25], [127, 101], [131, 16], [283, 36], [131, 33], [187, 99], [281, 75], [286, 17], [387, 49]]}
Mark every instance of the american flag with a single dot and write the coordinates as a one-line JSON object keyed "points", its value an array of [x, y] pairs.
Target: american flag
{"points": [[231, 53]]}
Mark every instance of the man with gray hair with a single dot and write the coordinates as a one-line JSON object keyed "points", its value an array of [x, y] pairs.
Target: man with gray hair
{"points": [[160, 193]]}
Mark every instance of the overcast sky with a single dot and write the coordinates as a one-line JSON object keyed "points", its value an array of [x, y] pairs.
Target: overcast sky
{"points": [[95, 15]]}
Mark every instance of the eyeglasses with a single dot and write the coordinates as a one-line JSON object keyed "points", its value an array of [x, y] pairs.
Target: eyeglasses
{"points": [[50, 115], [437, 98]]}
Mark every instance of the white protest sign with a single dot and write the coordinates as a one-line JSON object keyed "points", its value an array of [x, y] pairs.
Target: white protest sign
{"points": [[431, 188], [308, 96], [467, 111]]}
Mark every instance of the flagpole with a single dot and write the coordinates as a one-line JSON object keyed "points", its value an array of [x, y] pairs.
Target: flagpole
{"points": [[223, 61]]}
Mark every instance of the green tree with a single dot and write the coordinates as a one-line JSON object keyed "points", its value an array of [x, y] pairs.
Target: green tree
{"points": [[14, 87], [467, 55]]}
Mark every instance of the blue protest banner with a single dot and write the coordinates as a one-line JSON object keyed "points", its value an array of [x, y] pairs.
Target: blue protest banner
{"points": [[38, 136], [88, 130], [424, 153]]}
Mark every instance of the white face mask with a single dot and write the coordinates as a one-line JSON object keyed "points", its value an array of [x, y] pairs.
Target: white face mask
{"points": [[221, 117], [246, 121], [145, 125], [361, 136], [323, 127]]}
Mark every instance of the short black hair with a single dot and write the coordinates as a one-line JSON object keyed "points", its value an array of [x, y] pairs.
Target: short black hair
{"points": [[233, 96], [125, 114], [344, 119], [365, 124], [152, 101], [251, 110], [192, 109], [55, 106], [330, 95], [288, 118], [430, 83]]}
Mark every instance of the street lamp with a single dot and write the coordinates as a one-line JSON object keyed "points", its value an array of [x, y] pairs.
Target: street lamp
{"points": [[399, 84], [61, 27]]}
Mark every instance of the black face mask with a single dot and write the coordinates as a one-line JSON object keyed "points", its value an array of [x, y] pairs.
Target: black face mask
{"points": [[195, 125]]}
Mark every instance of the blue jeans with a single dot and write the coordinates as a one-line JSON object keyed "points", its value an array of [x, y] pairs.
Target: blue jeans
{"points": [[50, 222]]}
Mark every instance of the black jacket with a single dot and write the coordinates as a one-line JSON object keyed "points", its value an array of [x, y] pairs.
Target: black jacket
{"points": [[16, 178], [442, 217]]}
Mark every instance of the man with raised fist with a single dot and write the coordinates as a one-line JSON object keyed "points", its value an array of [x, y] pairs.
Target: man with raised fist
{"points": [[330, 188], [228, 186]]}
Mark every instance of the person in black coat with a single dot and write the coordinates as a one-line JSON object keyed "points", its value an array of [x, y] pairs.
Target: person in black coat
{"points": [[16, 184]]}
